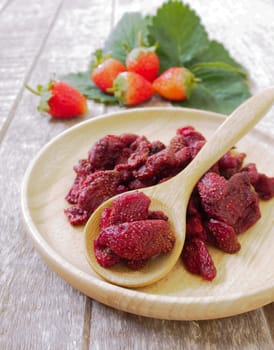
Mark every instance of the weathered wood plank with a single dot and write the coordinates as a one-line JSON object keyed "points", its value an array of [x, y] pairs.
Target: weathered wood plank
{"points": [[38, 310], [118, 330], [21, 41], [4, 4], [269, 314]]}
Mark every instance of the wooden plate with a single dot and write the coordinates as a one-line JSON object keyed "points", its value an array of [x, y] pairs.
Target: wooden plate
{"points": [[244, 280]]}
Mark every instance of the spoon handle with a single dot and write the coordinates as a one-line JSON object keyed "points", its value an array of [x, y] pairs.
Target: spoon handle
{"points": [[244, 118]]}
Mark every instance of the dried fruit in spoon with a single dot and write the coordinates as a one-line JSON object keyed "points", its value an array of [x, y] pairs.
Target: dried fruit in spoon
{"points": [[129, 233]]}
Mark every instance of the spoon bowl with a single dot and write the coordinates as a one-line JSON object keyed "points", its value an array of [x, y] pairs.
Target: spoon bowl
{"points": [[173, 195]]}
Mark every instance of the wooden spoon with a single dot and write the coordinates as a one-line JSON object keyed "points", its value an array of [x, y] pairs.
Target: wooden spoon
{"points": [[173, 195]]}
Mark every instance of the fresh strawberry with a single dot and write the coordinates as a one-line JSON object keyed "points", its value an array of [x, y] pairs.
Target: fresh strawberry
{"points": [[175, 84], [105, 73], [132, 89], [60, 100], [144, 61]]}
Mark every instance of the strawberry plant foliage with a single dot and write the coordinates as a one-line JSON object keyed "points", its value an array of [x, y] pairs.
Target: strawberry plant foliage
{"points": [[181, 40], [83, 83], [179, 34], [124, 37]]}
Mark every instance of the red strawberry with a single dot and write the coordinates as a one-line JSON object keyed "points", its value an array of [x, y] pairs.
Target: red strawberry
{"points": [[105, 73], [144, 61], [60, 100], [132, 89], [175, 84]]}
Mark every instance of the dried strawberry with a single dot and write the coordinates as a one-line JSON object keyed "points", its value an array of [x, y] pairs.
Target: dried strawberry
{"points": [[175, 84], [60, 100], [132, 89], [100, 189], [76, 215], [105, 256], [105, 152], [263, 184], [231, 163], [138, 240], [195, 228], [232, 201], [95, 189], [105, 218], [197, 259], [190, 135], [157, 215], [131, 207], [224, 235], [132, 233], [136, 264]]}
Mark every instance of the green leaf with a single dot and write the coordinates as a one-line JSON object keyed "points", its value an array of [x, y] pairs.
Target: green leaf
{"points": [[124, 37], [84, 84], [222, 88], [179, 33], [216, 52]]}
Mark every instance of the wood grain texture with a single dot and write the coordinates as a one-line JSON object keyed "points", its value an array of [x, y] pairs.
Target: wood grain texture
{"points": [[37, 309], [46, 312], [246, 332], [20, 48]]}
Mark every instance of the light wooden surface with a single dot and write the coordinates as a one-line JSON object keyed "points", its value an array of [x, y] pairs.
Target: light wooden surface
{"points": [[38, 310]]}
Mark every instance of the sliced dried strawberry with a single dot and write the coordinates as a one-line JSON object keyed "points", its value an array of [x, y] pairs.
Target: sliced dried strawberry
{"points": [[141, 148], [102, 187], [105, 152], [158, 165], [263, 184], [136, 264], [197, 259], [157, 215], [76, 215], [105, 256], [138, 240], [195, 228], [191, 136], [130, 207], [232, 201], [177, 143], [231, 163], [225, 236]]}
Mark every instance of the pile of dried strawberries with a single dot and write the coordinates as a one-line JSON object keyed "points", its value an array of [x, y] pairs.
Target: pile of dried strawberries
{"points": [[224, 203]]}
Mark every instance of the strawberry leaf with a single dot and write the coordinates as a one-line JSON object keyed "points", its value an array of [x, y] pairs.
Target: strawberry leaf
{"points": [[83, 83], [216, 52], [124, 37], [45, 94], [222, 87], [179, 33]]}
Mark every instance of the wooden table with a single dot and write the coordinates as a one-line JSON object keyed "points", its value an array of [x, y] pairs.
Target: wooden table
{"points": [[38, 310]]}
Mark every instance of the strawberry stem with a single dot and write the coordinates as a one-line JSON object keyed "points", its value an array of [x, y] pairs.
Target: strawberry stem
{"points": [[110, 90], [35, 92], [197, 80], [140, 39]]}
